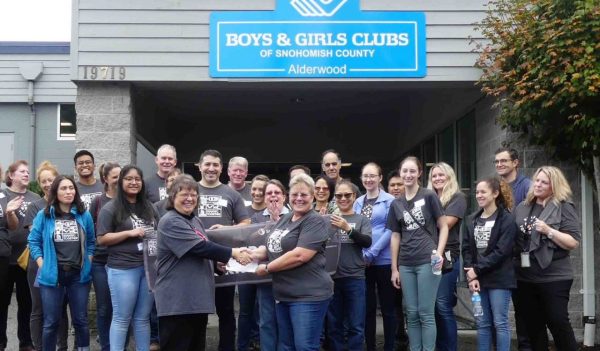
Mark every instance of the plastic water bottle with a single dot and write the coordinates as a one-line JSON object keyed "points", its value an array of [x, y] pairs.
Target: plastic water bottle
{"points": [[435, 259], [477, 309]]}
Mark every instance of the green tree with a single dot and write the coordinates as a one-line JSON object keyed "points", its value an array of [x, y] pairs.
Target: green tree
{"points": [[542, 64]]}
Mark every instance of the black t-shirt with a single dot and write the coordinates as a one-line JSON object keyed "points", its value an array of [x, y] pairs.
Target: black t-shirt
{"points": [[18, 237], [129, 252], [415, 243], [483, 231], [5, 248], [67, 240], [156, 188], [367, 209], [89, 192], [101, 253], [309, 281], [456, 207], [220, 205], [33, 210]]}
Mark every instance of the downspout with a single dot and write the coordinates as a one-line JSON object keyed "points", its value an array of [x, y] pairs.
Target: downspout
{"points": [[31, 71], [587, 248]]}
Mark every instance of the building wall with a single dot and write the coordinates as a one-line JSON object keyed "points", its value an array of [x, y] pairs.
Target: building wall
{"points": [[158, 40]]}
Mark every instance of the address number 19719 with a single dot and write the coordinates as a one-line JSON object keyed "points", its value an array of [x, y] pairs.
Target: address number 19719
{"points": [[104, 72]]}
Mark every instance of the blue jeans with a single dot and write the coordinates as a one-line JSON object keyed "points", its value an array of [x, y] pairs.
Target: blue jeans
{"points": [[495, 303], [420, 288], [300, 324], [346, 315], [103, 303], [444, 310], [131, 301], [248, 317], [53, 299], [269, 339]]}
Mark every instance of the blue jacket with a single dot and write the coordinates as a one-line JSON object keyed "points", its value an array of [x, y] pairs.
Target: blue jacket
{"points": [[41, 244], [379, 253], [520, 187]]}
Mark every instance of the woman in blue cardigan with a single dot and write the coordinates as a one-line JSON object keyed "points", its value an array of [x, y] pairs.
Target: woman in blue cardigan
{"points": [[375, 205], [62, 244]]}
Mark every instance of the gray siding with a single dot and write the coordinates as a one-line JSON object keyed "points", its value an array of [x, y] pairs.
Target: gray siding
{"points": [[14, 118], [53, 85], [160, 40]]}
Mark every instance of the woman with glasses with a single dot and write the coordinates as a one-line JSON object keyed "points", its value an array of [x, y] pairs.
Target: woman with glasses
{"points": [[418, 227], [375, 205], [62, 243], [549, 229], [322, 195], [296, 260], [346, 315], [442, 180], [122, 225]]}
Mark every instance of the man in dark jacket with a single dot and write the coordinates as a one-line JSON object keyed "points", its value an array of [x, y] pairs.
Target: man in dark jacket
{"points": [[507, 162]]}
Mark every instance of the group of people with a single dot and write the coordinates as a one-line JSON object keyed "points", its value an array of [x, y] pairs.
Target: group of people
{"points": [[399, 250]]}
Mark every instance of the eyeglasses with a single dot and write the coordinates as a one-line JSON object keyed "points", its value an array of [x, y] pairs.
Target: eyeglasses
{"points": [[344, 196], [324, 188], [133, 179], [330, 164], [503, 161], [370, 176], [85, 163], [299, 195], [273, 193], [186, 196]]}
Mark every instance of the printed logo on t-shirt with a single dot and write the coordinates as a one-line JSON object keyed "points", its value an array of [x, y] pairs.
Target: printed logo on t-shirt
{"points": [[141, 223], [211, 206], [1, 212], [274, 242], [87, 199], [152, 246], [482, 234], [344, 237], [23, 209], [527, 225], [65, 230], [367, 211], [162, 193], [410, 222]]}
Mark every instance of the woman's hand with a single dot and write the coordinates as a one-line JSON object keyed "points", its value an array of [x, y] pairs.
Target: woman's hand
{"points": [[323, 211], [470, 273], [440, 261], [259, 253], [261, 270], [274, 210], [474, 285], [14, 204], [542, 227], [396, 279], [341, 223], [242, 255], [136, 233], [40, 262]]}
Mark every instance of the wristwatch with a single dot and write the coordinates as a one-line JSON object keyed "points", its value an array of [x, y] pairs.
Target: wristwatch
{"points": [[551, 234]]}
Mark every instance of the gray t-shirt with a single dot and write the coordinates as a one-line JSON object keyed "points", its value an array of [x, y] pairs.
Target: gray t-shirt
{"points": [[246, 195], [67, 240], [33, 210], [415, 243], [129, 252], [185, 282], [559, 269], [220, 205], [18, 237], [5, 247], [309, 281], [156, 188], [351, 262], [456, 207], [89, 192], [482, 231], [161, 207], [101, 253]]}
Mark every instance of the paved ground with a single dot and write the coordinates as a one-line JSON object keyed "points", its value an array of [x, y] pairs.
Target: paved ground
{"points": [[467, 338]]}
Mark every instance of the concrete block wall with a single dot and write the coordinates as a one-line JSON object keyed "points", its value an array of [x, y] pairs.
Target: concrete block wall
{"points": [[105, 122]]}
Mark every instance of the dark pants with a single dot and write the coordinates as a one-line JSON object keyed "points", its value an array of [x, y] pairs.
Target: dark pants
{"points": [[185, 332], [546, 305], [520, 326], [379, 277], [103, 303], [36, 322], [248, 317], [224, 303], [16, 276]]}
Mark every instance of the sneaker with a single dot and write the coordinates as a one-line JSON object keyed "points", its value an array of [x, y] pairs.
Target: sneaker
{"points": [[154, 346]]}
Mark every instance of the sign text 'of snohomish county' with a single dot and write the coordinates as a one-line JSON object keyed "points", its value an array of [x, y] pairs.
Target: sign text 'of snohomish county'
{"points": [[317, 39]]}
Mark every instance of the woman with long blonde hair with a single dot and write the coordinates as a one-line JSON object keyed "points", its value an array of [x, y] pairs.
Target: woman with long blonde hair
{"points": [[442, 180]]}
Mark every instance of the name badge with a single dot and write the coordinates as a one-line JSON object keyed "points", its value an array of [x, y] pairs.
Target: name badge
{"points": [[223, 203], [247, 203], [525, 263], [420, 203], [140, 246], [489, 224]]}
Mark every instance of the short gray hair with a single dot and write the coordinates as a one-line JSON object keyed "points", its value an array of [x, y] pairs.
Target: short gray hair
{"points": [[303, 179], [165, 147], [182, 182], [238, 160]]}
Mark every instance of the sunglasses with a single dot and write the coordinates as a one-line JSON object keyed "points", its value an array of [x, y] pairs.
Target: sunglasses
{"points": [[344, 196]]}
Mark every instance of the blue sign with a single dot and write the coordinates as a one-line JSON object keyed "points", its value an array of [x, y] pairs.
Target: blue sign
{"points": [[317, 39]]}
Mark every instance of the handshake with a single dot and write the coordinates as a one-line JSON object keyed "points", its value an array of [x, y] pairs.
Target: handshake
{"points": [[246, 255]]}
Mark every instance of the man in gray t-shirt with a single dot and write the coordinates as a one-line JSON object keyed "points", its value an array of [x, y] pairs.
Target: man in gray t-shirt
{"points": [[89, 187], [237, 170], [155, 184], [220, 206]]}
